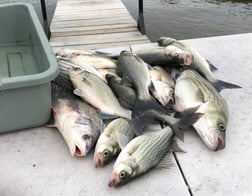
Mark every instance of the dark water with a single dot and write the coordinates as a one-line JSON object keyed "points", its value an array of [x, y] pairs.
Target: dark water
{"points": [[181, 19], [184, 19]]}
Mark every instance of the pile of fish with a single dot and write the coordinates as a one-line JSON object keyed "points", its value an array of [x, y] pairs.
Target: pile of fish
{"points": [[132, 106]]}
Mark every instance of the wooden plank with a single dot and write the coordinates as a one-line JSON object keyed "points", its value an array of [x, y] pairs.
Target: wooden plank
{"points": [[89, 7], [92, 15], [92, 23], [228, 171], [100, 38], [94, 31], [99, 46], [78, 23]]}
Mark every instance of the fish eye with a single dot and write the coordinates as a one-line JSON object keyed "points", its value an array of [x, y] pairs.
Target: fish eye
{"points": [[86, 137], [177, 55], [105, 153], [123, 175], [222, 127], [76, 68]]}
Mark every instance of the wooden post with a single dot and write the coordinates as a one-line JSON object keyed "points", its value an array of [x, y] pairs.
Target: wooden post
{"points": [[140, 21], [45, 21]]}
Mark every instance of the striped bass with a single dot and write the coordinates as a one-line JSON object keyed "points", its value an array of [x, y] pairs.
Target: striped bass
{"points": [[192, 90]]}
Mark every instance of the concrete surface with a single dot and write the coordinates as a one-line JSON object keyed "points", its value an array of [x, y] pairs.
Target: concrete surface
{"points": [[37, 161]]}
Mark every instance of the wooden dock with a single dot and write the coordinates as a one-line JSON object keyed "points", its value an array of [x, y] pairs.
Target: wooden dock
{"points": [[93, 24], [37, 161]]}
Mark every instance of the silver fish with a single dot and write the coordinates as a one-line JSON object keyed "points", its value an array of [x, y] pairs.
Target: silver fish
{"points": [[77, 121], [163, 84], [97, 93], [79, 57], [64, 65], [125, 94], [166, 56], [135, 71], [199, 63], [192, 90], [140, 155], [116, 134], [182, 121]]}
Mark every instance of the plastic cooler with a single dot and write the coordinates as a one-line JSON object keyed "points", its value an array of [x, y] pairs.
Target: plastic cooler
{"points": [[27, 66]]}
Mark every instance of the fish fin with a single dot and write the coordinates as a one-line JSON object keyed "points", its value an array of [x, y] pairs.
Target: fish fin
{"points": [[140, 107], [166, 162], [51, 122], [105, 116], [77, 92], [186, 112], [219, 85], [177, 75], [122, 140], [165, 41], [175, 147], [183, 123], [137, 125], [102, 126], [188, 119], [212, 67], [107, 54], [149, 66], [125, 81], [152, 87], [178, 131], [140, 123]]}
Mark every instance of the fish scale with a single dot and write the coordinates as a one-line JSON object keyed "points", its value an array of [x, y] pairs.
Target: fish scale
{"points": [[209, 93], [117, 133], [137, 72], [140, 155], [77, 121], [199, 63], [97, 93], [147, 155], [192, 90], [105, 91]]}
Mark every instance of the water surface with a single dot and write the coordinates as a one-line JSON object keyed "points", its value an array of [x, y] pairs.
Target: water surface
{"points": [[185, 19]]}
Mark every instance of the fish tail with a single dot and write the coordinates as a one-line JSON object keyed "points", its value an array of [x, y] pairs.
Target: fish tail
{"points": [[107, 54], [211, 66], [184, 122], [141, 106], [139, 111], [188, 119], [219, 85]]}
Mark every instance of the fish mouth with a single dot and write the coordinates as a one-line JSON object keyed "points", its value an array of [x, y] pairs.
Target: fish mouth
{"points": [[78, 151], [221, 144], [114, 180], [215, 143], [98, 160], [188, 58]]}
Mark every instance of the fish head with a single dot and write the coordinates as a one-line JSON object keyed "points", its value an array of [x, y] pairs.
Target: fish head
{"points": [[212, 129], [104, 153], [163, 93], [178, 56], [74, 71], [165, 41], [81, 139], [121, 174]]}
